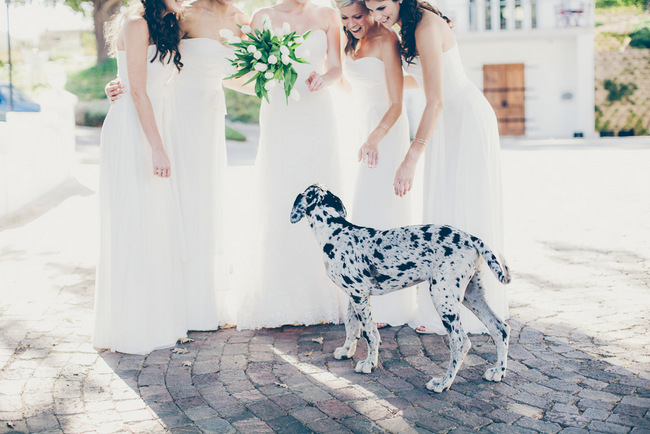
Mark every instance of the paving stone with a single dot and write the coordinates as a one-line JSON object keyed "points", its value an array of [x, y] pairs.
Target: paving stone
{"points": [[538, 425]]}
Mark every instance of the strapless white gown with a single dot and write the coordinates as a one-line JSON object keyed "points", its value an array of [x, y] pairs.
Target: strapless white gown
{"points": [[298, 147], [139, 303], [195, 120], [462, 183], [375, 203]]}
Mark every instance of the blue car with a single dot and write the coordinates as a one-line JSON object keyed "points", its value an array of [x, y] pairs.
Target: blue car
{"points": [[21, 102]]}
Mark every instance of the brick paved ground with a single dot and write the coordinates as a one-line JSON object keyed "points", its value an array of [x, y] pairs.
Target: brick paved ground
{"points": [[579, 246]]}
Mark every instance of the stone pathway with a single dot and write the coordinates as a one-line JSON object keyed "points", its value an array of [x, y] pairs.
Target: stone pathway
{"points": [[578, 237]]}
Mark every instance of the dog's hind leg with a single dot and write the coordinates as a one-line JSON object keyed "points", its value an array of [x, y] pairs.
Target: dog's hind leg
{"points": [[499, 330], [447, 304], [352, 334], [370, 334]]}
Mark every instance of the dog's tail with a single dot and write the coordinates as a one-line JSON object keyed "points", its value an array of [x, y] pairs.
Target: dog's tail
{"points": [[499, 268]]}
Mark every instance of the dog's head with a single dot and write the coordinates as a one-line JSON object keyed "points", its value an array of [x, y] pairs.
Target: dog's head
{"points": [[316, 196]]}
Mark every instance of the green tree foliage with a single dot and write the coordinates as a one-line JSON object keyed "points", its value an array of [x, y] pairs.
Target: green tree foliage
{"points": [[643, 4], [619, 91]]}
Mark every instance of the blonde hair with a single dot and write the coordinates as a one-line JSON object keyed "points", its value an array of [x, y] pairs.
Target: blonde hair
{"points": [[113, 26]]}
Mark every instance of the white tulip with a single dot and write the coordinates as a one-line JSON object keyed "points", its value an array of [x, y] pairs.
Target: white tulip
{"points": [[279, 32], [234, 40], [261, 67], [286, 28], [246, 28], [284, 50], [266, 22], [268, 75], [298, 39], [257, 55], [226, 33], [251, 48], [272, 59], [285, 59]]}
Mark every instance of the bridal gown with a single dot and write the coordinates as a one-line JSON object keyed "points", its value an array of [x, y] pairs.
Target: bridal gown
{"points": [[298, 147], [139, 304], [375, 203], [195, 120], [462, 184]]}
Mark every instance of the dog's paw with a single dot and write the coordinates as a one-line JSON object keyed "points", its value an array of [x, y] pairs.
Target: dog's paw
{"points": [[343, 353], [495, 374], [364, 367], [438, 385]]}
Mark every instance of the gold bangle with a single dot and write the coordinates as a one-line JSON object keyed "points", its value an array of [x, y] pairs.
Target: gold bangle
{"points": [[424, 142], [384, 126]]}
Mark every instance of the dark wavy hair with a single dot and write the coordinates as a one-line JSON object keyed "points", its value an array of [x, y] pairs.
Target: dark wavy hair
{"points": [[410, 14], [164, 31], [351, 43]]}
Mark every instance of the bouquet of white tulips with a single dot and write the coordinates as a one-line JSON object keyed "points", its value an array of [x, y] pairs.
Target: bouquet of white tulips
{"points": [[269, 54]]}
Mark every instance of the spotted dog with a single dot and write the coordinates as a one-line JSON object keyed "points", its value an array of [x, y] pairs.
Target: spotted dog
{"points": [[364, 262]]}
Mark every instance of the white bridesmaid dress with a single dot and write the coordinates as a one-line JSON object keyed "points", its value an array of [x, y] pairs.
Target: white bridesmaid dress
{"points": [[375, 203], [298, 147], [462, 182], [195, 120], [139, 303]]}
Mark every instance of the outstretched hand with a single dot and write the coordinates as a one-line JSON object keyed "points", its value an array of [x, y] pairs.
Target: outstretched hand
{"points": [[404, 178], [369, 154]]}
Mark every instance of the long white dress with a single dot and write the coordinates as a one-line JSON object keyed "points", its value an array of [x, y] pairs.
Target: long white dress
{"points": [[298, 147], [375, 203], [195, 124], [462, 183], [139, 304]]}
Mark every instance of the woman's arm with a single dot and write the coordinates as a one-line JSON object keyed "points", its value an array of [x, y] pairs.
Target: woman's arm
{"points": [[428, 37], [136, 42], [395, 85], [333, 74]]}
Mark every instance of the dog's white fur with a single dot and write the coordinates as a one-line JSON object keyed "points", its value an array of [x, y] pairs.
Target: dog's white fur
{"points": [[364, 262]]}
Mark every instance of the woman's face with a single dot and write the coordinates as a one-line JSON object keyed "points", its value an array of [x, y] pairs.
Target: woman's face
{"points": [[356, 19], [173, 6], [385, 12]]}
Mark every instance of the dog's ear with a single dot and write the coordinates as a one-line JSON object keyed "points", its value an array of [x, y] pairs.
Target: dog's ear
{"points": [[333, 201], [298, 210]]}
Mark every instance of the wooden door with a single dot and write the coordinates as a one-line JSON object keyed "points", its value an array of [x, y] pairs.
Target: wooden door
{"points": [[503, 86]]}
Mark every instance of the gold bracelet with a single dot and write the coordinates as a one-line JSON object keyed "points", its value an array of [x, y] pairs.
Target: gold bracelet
{"points": [[384, 126], [424, 142]]}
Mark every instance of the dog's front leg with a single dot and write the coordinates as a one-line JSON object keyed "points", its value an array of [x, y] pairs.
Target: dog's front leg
{"points": [[352, 334], [370, 334]]}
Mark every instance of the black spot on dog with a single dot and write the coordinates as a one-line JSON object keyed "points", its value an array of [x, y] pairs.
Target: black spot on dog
{"points": [[448, 320], [381, 278], [365, 336], [414, 238], [358, 279], [357, 300], [378, 242], [336, 232], [378, 255], [366, 272], [448, 251], [427, 236], [456, 238], [407, 266], [328, 249], [445, 231], [347, 280], [388, 247]]}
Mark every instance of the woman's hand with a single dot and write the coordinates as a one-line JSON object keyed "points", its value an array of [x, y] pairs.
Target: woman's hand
{"points": [[315, 82], [113, 90], [369, 154], [161, 166], [404, 178]]}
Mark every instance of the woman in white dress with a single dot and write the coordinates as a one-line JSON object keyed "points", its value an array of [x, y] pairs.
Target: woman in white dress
{"points": [[298, 147], [195, 120], [194, 113], [462, 165], [138, 286], [373, 68]]}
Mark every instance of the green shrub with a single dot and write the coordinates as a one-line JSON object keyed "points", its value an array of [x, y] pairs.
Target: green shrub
{"points": [[619, 91], [89, 83], [233, 134], [242, 108], [640, 38]]}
